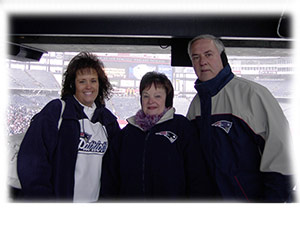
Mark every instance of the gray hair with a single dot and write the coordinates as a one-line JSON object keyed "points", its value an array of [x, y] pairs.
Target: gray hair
{"points": [[217, 42]]}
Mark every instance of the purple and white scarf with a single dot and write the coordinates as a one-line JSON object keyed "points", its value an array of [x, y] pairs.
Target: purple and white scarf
{"points": [[146, 122]]}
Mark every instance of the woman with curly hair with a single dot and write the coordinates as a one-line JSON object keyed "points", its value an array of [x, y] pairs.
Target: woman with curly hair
{"points": [[61, 159]]}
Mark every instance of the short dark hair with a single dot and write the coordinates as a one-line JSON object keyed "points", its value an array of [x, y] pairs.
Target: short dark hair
{"points": [[82, 61], [158, 79]]}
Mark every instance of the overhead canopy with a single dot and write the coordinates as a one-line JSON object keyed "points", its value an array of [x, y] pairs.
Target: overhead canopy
{"points": [[138, 33]]}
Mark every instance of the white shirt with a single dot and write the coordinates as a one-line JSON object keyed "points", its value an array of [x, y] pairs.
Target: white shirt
{"points": [[92, 146]]}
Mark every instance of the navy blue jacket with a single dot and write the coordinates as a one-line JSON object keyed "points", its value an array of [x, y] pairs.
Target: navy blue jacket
{"points": [[162, 163], [47, 156], [244, 137]]}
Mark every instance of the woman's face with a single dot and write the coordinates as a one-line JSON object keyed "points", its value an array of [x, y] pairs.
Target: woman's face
{"points": [[154, 100], [87, 86]]}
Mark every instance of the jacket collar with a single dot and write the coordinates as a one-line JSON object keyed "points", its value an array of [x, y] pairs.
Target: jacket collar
{"points": [[74, 110], [213, 86], [167, 116]]}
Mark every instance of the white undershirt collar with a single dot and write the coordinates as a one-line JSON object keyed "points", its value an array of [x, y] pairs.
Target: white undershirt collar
{"points": [[89, 111]]}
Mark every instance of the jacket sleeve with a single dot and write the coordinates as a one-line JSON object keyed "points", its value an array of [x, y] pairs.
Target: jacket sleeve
{"points": [[278, 188], [34, 163], [275, 165]]}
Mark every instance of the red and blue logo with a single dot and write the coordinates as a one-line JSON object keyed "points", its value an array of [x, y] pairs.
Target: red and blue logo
{"points": [[168, 134], [223, 124]]}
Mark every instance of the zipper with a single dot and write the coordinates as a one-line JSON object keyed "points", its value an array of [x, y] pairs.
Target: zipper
{"points": [[241, 188], [144, 163]]}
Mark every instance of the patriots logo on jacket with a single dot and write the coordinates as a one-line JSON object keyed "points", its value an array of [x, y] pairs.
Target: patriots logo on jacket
{"points": [[85, 136], [168, 134], [223, 124]]}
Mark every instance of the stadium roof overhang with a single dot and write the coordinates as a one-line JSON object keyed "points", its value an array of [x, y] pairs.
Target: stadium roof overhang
{"points": [[148, 33]]}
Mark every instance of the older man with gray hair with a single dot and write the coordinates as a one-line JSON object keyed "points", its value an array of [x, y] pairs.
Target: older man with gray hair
{"points": [[243, 132]]}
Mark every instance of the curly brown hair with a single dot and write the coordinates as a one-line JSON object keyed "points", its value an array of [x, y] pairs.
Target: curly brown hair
{"points": [[82, 61]]}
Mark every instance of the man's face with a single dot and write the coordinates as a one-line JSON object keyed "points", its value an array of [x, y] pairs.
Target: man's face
{"points": [[206, 59]]}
